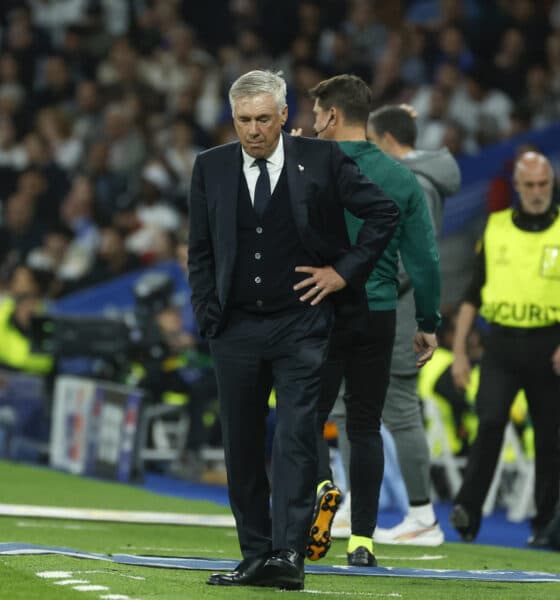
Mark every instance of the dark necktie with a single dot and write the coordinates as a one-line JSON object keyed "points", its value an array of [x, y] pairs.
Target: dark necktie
{"points": [[262, 189]]}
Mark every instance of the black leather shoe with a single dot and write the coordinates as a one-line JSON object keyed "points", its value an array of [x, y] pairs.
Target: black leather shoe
{"points": [[284, 570], [465, 521], [361, 557], [247, 572]]}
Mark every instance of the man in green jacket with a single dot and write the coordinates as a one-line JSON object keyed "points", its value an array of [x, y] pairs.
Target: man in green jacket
{"points": [[363, 358]]}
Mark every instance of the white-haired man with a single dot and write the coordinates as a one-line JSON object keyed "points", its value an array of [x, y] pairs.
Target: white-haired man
{"points": [[270, 264]]}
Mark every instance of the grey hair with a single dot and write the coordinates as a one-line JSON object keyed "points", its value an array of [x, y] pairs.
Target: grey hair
{"points": [[254, 83]]}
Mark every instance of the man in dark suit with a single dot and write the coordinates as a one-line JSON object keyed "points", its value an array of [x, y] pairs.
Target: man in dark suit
{"points": [[259, 210]]}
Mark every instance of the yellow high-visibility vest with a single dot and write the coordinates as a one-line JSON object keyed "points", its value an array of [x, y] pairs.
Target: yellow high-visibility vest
{"points": [[428, 377], [15, 348], [522, 286]]}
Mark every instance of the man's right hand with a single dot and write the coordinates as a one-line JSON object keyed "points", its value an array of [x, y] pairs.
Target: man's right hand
{"points": [[425, 345], [461, 371]]}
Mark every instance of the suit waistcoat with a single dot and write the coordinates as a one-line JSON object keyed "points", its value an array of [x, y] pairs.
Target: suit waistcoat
{"points": [[268, 250]]}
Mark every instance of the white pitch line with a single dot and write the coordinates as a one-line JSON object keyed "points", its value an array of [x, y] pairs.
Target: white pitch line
{"points": [[73, 526], [163, 549], [82, 585], [69, 574], [367, 594], [109, 572], [119, 516], [423, 557], [90, 588]]}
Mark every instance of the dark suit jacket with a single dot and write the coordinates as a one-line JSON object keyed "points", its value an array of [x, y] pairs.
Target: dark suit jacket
{"points": [[323, 181]]}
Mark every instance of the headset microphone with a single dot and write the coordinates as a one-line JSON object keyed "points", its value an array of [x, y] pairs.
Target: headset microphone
{"points": [[327, 124]]}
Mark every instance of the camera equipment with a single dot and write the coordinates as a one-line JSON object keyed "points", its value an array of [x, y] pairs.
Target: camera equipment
{"points": [[135, 336]]}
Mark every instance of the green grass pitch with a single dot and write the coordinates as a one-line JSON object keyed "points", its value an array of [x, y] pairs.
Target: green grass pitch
{"points": [[31, 577]]}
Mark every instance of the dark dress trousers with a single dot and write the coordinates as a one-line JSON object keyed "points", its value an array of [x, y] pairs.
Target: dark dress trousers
{"points": [[241, 273]]}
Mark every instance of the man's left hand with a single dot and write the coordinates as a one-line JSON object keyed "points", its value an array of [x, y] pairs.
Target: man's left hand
{"points": [[322, 280], [424, 343]]}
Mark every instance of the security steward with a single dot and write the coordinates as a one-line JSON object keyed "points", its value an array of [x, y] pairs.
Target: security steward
{"points": [[516, 288], [25, 299]]}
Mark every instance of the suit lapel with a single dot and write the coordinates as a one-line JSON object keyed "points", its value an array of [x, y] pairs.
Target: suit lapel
{"points": [[226, 214], [295, 171]]}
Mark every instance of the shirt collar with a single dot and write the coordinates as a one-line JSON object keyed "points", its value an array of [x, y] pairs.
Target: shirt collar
{"points": [[275, 159]]}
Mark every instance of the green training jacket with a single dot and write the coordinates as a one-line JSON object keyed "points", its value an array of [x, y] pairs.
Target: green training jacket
{"points": [[413, 239]]}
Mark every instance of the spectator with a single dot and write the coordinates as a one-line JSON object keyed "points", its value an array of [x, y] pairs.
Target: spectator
{"points": [[154, 206], [57, 88], [453, 48], [482, 110], [414, 61], [53, 255], [112, 258], [455, 139], [336, 55], [55, 17], [110, 187], [26, 294], [25, 43], [154, 214], [39, 157], [12, 155], [125, 142], [168, 71], [553, 59], [12, 92], [456, 405], [20, 232], [510, 63], [302, 50], [32, 182], [368, 37], [531, 20], [540, 99], [124, 74], [76, 54], [55, 128], [388, 85], [86, 112], [180, 153], [186, 371], [77, 213], [431, 128]]}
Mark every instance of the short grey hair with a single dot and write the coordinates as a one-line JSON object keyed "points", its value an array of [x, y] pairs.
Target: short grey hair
{"points": [[254, 83]]}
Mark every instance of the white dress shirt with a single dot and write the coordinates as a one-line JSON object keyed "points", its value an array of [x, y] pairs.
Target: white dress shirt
{"points": [[274, 164]]}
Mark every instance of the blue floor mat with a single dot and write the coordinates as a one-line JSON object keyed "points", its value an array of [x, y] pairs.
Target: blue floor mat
{"points": [[204, 564]]}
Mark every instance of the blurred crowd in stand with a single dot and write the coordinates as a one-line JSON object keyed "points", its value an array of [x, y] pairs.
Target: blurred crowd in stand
{"points": [[104, 105]]}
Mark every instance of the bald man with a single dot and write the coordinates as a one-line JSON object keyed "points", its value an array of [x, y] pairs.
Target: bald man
{"points": [[516, 288]]}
